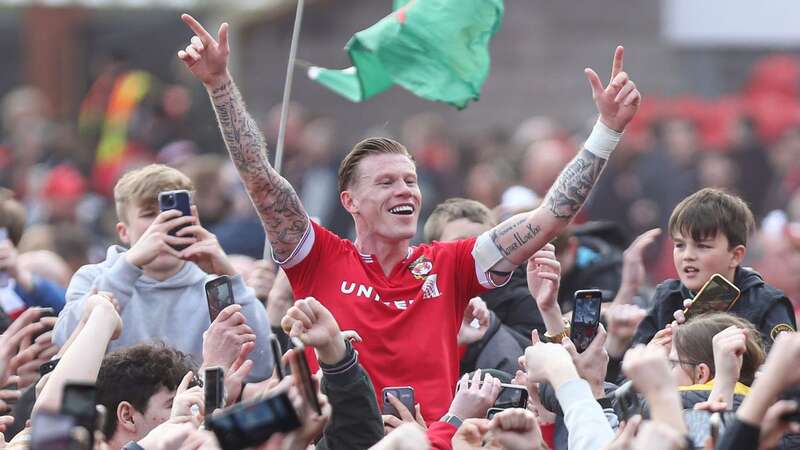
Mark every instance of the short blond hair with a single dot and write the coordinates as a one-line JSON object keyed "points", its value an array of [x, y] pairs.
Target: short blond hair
{"points": [[453, 209], [140, 187]]}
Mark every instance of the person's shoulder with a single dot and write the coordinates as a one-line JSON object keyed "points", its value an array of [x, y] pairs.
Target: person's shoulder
{"points": [[668, 287], [754, 287]]}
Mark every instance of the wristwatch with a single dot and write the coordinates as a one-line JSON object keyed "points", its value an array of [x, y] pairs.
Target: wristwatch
{"points": [[557, 338], [452, 420]]}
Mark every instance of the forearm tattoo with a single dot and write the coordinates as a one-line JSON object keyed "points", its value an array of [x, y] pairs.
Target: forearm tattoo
{"points": [[572, 187], [277, 203], [521, 233]]}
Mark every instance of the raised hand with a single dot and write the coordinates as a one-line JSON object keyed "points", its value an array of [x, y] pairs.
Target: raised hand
{"points": [[592, 364], [156, 239], [618, 102], [474, 397], [476, 310], [516, 429], [224, 339], [316, 327], [206, 57], [544, 276], [623, 320], [391, 423]]}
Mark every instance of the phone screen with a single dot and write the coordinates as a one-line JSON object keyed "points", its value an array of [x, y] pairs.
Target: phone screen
{"points": [[219, 295], [585, 318], [512, 396], [406, 396], [718, 294]]}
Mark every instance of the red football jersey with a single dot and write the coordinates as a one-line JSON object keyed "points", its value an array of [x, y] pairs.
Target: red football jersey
{"points": [[409, 320]]}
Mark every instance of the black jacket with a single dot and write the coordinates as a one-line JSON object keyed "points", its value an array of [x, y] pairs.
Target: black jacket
{"points": [[514, 305], [763, 305]]}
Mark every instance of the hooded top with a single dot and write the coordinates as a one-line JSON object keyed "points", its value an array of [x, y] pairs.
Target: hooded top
{"points": [[173, 311]]}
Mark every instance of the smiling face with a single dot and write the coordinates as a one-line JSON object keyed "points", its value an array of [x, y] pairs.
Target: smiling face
{"points": [[384, 198], [697, 260]]}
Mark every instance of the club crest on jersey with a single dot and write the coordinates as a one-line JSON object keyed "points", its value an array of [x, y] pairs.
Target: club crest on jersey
{"points": [[421, 267], [430, 289]]}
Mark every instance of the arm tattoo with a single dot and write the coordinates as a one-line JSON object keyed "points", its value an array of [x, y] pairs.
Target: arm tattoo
{"points": [[570, 190], [277, 203], [521, 235]]}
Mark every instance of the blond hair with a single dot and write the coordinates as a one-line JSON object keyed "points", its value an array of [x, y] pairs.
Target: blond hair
{"points": [[367, 147], [140, 187], [454, 209]]}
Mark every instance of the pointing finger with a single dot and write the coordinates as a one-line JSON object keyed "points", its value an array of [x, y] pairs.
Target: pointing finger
{"points": [[616, 66], [198, 29]]}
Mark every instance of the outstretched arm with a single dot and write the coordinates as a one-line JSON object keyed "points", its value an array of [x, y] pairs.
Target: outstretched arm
{"points": [[519, 237], [283, 216]]}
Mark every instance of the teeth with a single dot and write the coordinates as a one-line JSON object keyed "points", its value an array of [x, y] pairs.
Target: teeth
{"points": [[402, 209]]}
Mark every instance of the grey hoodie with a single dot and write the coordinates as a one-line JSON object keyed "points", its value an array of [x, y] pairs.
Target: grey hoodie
{"points": [[173, 311]]}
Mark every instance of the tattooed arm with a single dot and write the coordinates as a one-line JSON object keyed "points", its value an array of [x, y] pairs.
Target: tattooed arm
{"points": [[519, 237], [283, 216]]}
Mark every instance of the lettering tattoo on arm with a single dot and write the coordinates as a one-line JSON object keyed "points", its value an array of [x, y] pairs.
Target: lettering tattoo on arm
{"points": [[521, 234], [283, 216], [572, 187]]}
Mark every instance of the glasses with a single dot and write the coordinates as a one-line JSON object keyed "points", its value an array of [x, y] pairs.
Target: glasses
{"points": [[675, 362]]}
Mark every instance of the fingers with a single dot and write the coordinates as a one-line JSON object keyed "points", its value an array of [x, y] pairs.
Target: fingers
{"points": [[679, 316], [198, 29], [634, 98], [228, 312], [570, 347], [304, 306], [185, 382], [628, 88], [616, 66], [351, 335], [401, 409], [299, 315], [535, 337], [594, 82], [244, 352], [600, 339], [223, 36], [628, 432], [390, 422], [617, 83]]}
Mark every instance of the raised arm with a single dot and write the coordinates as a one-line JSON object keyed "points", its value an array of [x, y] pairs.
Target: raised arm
{"points": [[518, 238], [283, 216]]}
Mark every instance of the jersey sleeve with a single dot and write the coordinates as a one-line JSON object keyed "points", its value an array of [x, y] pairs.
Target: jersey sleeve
{"points": [[471, 280], [314, 248]]}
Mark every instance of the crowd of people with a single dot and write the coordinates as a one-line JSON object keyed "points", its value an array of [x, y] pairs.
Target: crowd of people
{"points": [[355, 315]]}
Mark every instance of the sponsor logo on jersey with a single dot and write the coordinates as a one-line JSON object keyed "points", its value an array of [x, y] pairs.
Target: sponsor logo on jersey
{"points": [[430, 289], [421, 267], [370, 293]]}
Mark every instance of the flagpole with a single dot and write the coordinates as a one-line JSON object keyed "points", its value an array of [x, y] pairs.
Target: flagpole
{"points": [[287, 92], [287, 87]]}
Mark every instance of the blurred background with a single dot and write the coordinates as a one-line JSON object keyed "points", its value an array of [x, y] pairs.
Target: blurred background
{"points": [[90, 89]]}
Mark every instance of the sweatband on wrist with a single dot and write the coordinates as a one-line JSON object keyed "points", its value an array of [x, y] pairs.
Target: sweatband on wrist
{"points": [[602, 141]]}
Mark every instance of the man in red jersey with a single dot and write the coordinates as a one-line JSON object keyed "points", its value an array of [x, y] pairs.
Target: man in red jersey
{"points": [[406, 302]]}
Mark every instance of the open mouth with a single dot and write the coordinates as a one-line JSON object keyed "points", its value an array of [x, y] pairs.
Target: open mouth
{"points": [[690, 270], [405, 209]]}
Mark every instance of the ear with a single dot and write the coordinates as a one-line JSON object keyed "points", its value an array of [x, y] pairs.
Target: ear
{"points": [[738, 253], [349, 203], [702, 373], [122, 232], [125, 420]]}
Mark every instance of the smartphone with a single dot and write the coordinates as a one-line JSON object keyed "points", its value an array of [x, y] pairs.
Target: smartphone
{"points": [[307, 382], [52, 431], [3, 275], [180, 200], [492, 411], [251, 423], [219, 295], [512, 396], [403, 393], [626, 401], [277, 352], [48, 367], [585, 317], [717, 295], [79, 400], [213, 389]]}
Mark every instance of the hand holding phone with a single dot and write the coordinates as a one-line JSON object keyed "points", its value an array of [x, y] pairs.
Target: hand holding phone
{"points": [[585, 318], [214, 390], [180, 200], [219, 295], [79, 400], [717, 295], [249, 424], [405, 394]]}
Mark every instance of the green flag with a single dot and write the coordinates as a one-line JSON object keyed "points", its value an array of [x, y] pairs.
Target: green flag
{"points": [[437, 49]]}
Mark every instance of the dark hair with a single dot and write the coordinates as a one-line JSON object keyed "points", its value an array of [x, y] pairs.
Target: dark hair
{"points": [[134, 374], [693, 342], [454, 209], [710, 211], [12, 216], [367, 147]]}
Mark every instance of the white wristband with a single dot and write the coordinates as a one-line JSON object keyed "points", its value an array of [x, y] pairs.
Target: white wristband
{"points": [[603, 140]]}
